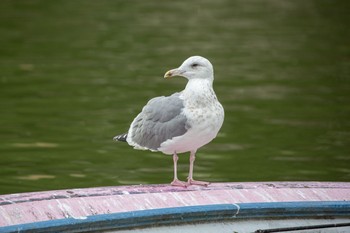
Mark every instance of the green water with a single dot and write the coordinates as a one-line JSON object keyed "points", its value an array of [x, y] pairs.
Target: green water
{"points": [[73, 74]]}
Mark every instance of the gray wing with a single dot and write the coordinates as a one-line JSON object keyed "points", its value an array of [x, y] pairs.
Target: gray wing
{"points": [[160, 120]]}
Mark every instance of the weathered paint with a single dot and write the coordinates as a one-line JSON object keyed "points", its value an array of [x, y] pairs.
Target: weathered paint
{"points": [[82, 203], [180, 216]]}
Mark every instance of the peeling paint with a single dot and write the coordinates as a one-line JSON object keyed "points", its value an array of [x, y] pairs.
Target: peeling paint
{"points": [[81, 203]]}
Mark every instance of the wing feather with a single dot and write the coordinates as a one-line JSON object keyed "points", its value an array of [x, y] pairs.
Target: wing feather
{"points": [[161, 119]]}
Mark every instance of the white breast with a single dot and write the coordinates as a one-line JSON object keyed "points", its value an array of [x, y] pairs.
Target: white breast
{"points": [[205, 117]]}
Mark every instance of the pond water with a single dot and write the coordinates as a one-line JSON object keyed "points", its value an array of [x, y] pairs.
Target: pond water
{"points": [[73, 74]]}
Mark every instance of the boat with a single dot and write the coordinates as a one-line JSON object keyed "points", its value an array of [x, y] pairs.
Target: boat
{"points": [[259, 207]]}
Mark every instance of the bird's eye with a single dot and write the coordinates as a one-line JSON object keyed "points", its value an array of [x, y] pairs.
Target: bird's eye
{"points": [[194, 65]]}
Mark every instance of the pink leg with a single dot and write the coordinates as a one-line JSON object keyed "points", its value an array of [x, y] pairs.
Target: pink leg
{"points": [[190, 179], [176, 181]]}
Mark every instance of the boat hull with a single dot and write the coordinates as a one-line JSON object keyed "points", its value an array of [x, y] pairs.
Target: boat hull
{"points": [[224, 207]]}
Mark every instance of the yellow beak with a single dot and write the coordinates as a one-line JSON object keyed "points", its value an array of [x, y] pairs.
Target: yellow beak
{"points": [[168, 74], [172, 73]]}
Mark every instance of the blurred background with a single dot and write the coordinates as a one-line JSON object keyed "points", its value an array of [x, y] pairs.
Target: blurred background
{"points": [[73, 74]]}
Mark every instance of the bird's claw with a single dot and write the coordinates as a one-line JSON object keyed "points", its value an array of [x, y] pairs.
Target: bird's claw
{"points": [[197, 182], [179, 183]]}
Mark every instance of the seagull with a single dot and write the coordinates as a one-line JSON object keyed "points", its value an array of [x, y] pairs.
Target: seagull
{"points": [[182, 122]]}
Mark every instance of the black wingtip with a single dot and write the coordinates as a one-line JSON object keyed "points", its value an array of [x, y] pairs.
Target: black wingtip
{"points": [[121, 138]]}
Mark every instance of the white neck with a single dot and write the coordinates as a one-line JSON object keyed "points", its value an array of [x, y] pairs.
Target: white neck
{"points": [[198, 88], [199, 84]]}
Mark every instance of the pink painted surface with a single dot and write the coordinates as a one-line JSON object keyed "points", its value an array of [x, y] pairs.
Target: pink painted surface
{"points": [[79, 203]]}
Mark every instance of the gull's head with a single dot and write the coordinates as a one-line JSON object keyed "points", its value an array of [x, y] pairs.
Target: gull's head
{"points": [[192, 68]]}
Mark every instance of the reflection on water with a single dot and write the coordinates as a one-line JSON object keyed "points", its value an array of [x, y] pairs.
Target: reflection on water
{"points": [[268, 92], [36, 144], [75, 74], [78, 175], [35, 177]]}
